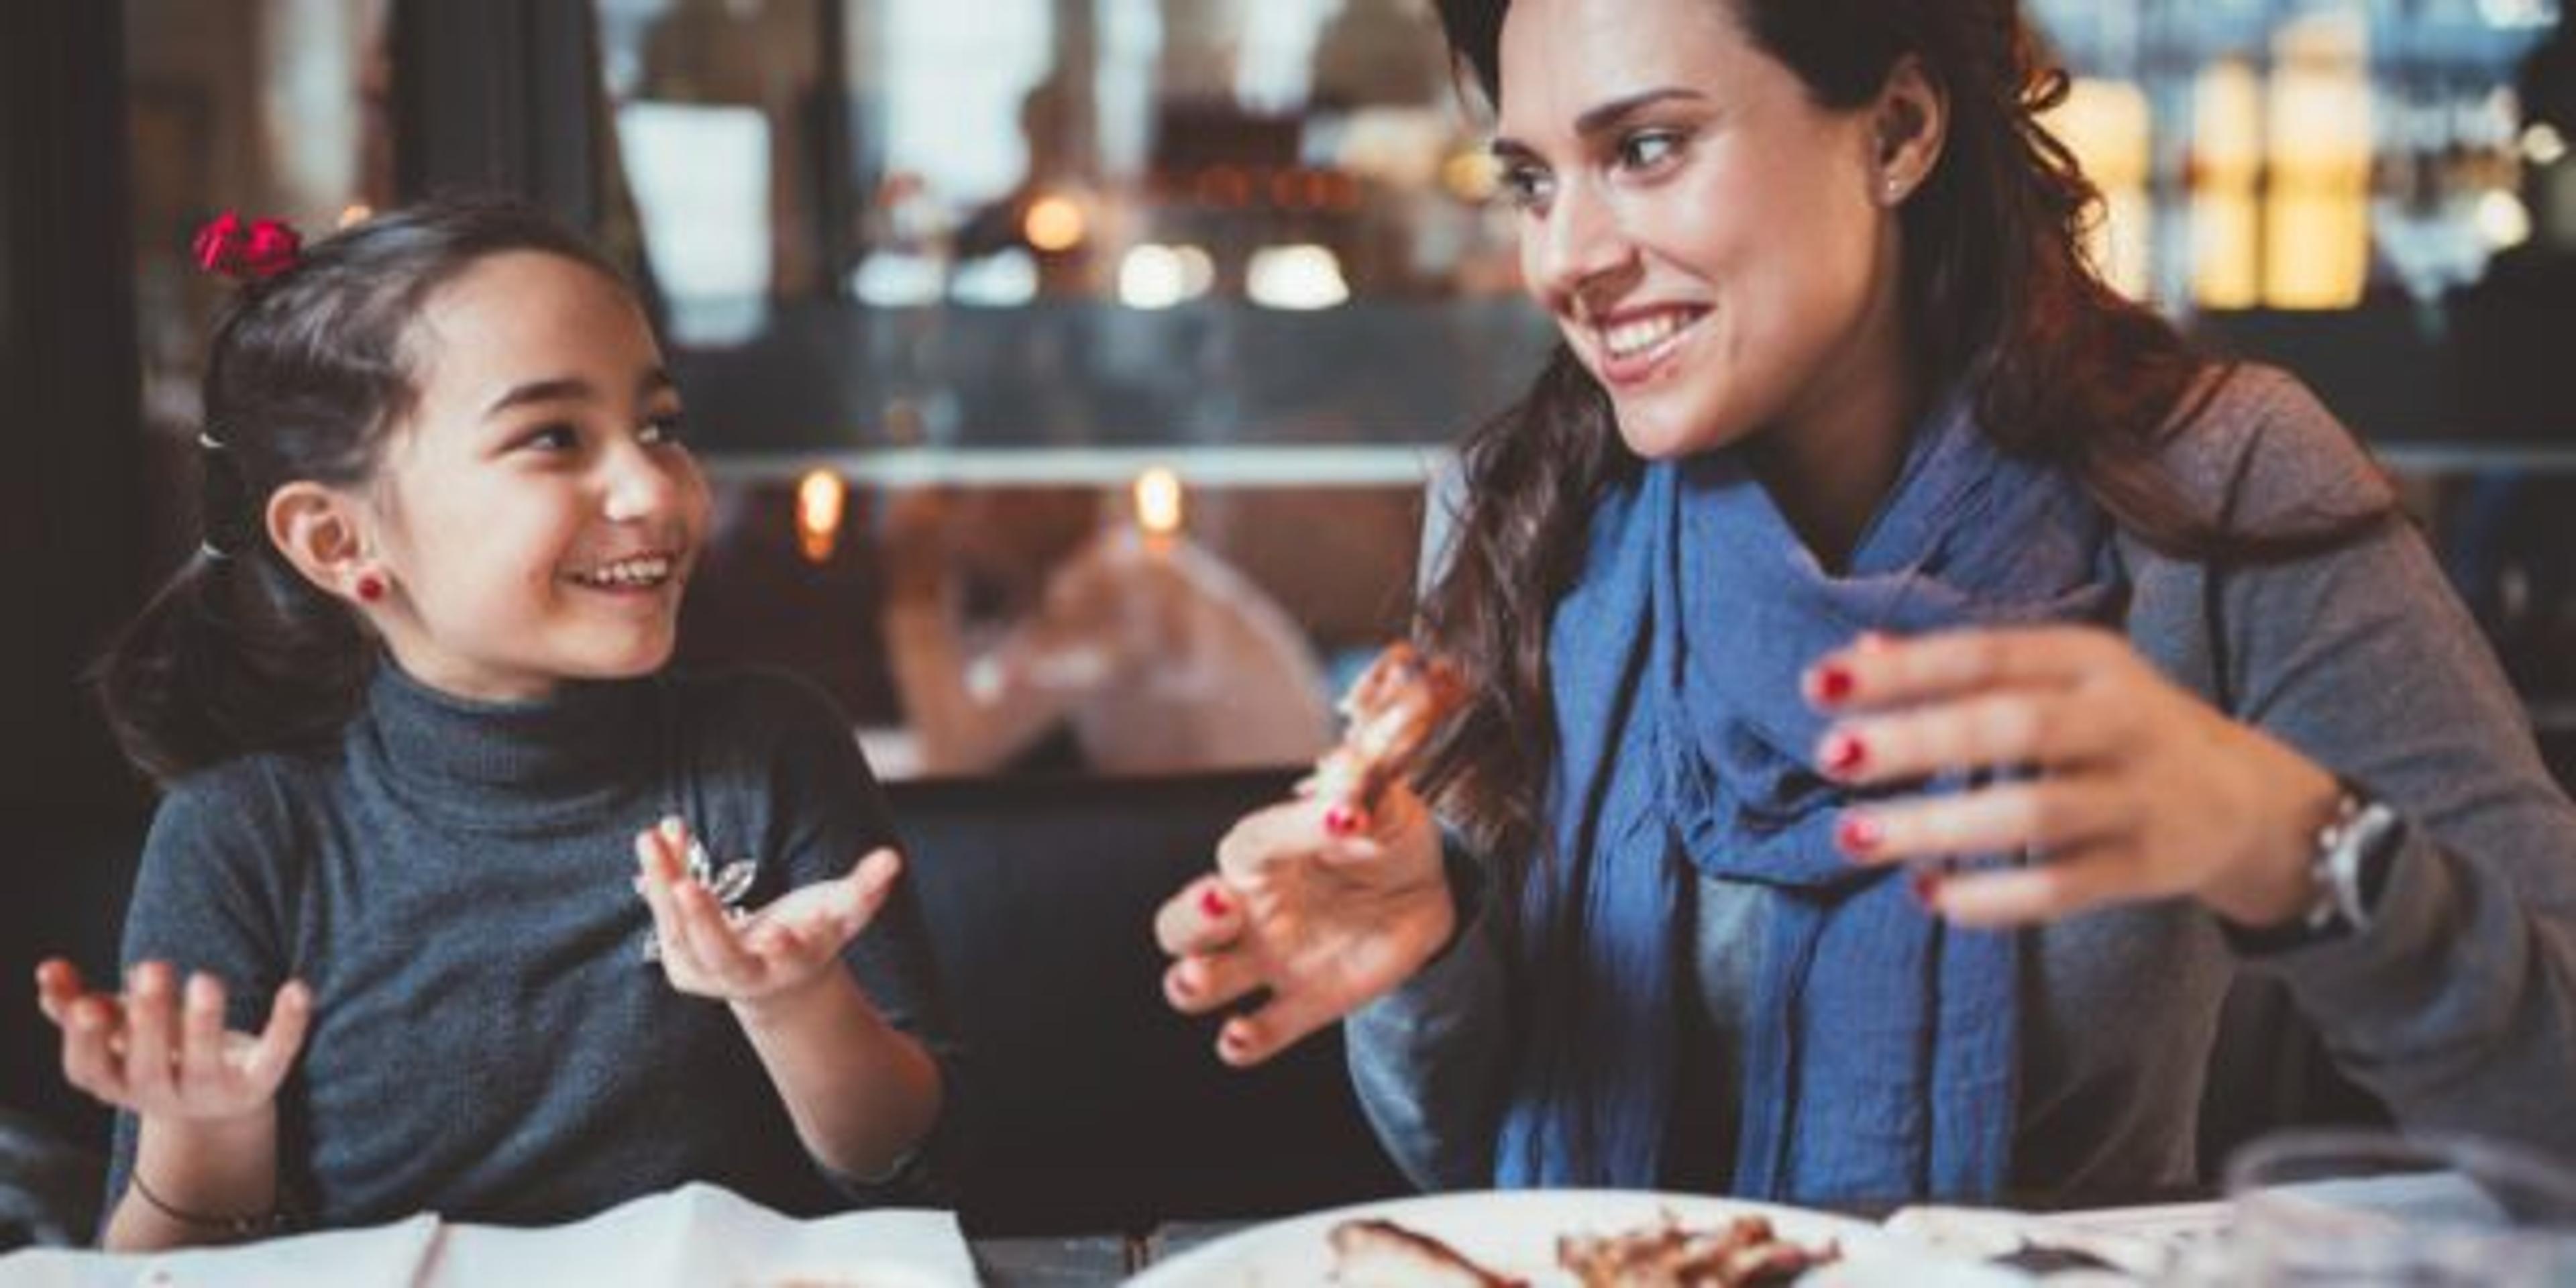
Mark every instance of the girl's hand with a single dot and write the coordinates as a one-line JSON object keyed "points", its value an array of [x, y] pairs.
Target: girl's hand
{"points": [[163, 1054], [2123, 786], [1324, 922], [792, 942]]}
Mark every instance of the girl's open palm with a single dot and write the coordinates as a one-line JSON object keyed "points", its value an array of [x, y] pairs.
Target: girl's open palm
{"points": [[160, 1052], [1325, 923], [709, 953]]}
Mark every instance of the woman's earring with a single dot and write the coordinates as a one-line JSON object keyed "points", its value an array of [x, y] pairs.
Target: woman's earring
{"points": [[370, 587]]}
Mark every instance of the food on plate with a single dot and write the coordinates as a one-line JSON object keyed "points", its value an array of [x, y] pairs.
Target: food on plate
{"points": [[1744, 1251], [1382, 1254], [1741, 1253], [1393, 709]]}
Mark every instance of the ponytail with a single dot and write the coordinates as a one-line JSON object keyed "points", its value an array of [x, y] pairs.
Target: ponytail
{"points": [[238, 653]]}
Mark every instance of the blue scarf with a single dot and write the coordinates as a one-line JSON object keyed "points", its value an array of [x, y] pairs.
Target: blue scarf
{"points": [[1880, 1047]]}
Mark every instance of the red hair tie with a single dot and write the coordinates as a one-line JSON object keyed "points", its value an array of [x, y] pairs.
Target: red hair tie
{"points": [[260, 249]]}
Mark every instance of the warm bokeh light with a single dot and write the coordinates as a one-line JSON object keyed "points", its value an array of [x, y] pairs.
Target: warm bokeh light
{"points": [[1150, 277], [2542, 144], [1299, 277], [1156, 276], [2110, 128], [2316, 227], [355, 214], [2503, 222], [821, 501], [2226, 161], [1158, 502], [1054, 223], [1470, 175]]}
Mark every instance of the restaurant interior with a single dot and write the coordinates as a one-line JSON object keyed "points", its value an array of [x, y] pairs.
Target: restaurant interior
{"points": [[1063, 367]]}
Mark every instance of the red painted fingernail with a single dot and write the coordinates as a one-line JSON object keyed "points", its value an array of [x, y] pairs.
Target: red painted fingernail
{"points": [[1844, 753], [1859, 834], [1212, 902], [1341, 820], [1926, 885], [1831, 683]]}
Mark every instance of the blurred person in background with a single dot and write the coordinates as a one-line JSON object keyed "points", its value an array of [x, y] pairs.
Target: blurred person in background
{"points": [[1151, 653]]}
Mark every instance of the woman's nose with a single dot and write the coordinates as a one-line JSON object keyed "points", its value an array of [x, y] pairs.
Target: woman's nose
{"points": [[1579, 244]]}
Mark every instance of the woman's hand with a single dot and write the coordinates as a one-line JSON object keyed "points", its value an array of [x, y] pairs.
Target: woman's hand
{"points": [[794, 941], [2121, 786], [164, 1054], [1325, 923]]}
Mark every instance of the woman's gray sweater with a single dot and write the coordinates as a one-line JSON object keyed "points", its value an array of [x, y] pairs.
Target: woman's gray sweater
{"points": [[2457, 1007]]}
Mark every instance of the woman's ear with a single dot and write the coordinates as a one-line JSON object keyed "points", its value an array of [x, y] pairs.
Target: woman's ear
{"points": [[322, 533], [1912, 120]]}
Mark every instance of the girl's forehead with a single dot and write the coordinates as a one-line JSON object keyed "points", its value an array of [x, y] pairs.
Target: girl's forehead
{"points": [[526, 315]]}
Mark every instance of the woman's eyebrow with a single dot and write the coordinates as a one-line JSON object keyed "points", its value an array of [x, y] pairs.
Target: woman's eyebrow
{"points": [[1599, 120]]}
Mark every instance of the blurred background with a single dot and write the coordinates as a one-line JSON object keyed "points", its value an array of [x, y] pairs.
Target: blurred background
{"points": [[945, 281], [1069, 370]]}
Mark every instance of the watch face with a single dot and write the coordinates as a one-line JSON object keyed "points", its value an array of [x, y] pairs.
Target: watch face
{"points": [[2377, 834]]}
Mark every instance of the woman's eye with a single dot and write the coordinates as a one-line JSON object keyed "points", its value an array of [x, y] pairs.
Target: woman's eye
{"points": [[1523, 187], [1647, 149]]}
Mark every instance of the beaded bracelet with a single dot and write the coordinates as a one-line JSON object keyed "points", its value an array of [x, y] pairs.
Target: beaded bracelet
{"points": [[239, 1227]]}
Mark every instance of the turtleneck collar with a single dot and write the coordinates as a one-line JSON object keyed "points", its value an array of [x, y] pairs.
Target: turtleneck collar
{"points": [[503, 765]]}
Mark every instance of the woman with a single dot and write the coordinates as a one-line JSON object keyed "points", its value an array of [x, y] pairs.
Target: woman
{"points": [[1857, 530]]}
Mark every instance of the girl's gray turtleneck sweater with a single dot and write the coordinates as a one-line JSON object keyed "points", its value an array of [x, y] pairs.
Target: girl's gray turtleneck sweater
{"points": [[453, 881]]}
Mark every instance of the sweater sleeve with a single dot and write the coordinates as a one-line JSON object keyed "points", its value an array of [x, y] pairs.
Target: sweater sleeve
{"points": [[2457, 1007], [1427, 1060], [828, 811], [209, 896]]}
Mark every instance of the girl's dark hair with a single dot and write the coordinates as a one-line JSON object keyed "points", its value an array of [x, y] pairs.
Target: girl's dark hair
{"points": [[1997, 292], [310, 372]]}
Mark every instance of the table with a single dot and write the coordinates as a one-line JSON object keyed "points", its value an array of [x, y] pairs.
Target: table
{"points": [[1067, 1260]]}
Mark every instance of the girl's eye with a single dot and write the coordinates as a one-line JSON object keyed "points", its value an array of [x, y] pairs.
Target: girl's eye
{"points": [[1523, 186], [1646, 149], [670, 430], [552, 438]]}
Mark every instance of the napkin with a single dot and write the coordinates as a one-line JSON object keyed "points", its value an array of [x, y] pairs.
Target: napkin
{"points": [[701, 1234], [384, 1256]]}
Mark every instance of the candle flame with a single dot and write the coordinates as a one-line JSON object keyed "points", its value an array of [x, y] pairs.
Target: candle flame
{"points": [[1158, 501], [821, 500]]}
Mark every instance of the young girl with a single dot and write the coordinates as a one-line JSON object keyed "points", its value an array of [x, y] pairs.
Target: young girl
{"points": [[419, 924]]}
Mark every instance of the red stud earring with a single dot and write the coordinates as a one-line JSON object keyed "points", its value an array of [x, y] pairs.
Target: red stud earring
{"points": [[370, 587]]}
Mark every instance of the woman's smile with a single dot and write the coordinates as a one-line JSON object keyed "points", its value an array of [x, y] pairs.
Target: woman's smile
{"points": [[1633, 346]]}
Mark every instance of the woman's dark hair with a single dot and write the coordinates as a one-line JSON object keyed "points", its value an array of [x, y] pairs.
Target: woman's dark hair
{"points": [[310, 372], [1997, 293]]}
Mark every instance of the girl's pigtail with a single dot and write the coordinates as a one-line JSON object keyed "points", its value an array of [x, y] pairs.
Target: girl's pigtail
{"points": [[237, 653]]}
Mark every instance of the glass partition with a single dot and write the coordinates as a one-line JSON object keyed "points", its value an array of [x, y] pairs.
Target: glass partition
{"points": [[945, 282]]}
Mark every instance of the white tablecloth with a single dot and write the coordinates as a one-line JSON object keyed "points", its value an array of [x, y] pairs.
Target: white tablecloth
{"points": [[693, 1235]]}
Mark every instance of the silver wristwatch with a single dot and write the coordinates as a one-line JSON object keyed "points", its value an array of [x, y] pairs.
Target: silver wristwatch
{"points": [[2351, 860]]}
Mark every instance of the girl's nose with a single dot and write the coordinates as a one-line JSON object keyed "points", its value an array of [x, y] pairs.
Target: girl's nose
{"points": [[641, 485]]}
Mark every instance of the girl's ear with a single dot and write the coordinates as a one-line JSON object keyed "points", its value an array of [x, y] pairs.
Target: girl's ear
{"points": [[322, 533], [1913, 120]]}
